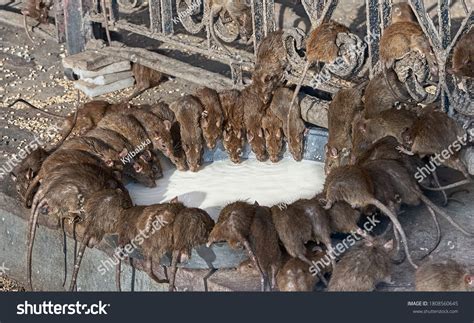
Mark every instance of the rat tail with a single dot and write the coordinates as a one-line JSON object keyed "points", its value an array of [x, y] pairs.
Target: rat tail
{"points": [[453, 185], [397, 225], [35, 108], [438, 233], [444, 214]]}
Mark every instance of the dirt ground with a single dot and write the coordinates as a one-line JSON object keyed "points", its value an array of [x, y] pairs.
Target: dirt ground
{"points": [[9, 285]]}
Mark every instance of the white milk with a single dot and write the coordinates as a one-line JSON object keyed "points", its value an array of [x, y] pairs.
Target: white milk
{"points": [[222, 182]]}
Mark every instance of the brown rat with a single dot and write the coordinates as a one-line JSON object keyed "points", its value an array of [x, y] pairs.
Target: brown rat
{"points": [[270, 65], [188, 111], [273, 132], [24, 173], [342, 110], [434, 132], [293, 126], [392, 122], [145, 78], [463, 56], [212, 117], [254, 109], [444, 276], [340, 186], [264, 241], [37, 10], [320, 48], [295, 275], [191, 228], [234, 124], [384, 91], [362, 267], [62, 193], [103, 210], [402, 36]]}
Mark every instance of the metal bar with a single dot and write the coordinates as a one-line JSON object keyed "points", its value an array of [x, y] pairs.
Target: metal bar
{"points": [[155, 15], [75, 29], [328, 11], [246, 59], [426, 23], [373, 33], [114, 11], [269, 16], [258, 22], [385, 12], [444, 20], [59, 21], [167, 17]]}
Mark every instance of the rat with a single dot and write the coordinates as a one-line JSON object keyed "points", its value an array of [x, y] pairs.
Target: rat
{"points": [[299, 223], [383, 92], [154, 221], [102, 209], [463, 56], [403, 35], [93, 151], [234, 124], [295, 276], [212, 117], [158, 130], [392, 122], [191, 228], [321, 47], [340, 185], [264, 240], [37, 10], [342, 110], [24, 173], [362, 267], [342, 218], [273, 133], [270, 66], [62, 194], [234, 226], [142, 169], [293, 126], [238, 11], [254, 109], [444, 276], [145, 78], [432, 133], [188, 111]]}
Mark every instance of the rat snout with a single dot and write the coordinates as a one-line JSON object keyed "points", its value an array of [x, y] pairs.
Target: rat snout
{"points": [[194, 168], [274, 158], [211, 145], [262, 157]]}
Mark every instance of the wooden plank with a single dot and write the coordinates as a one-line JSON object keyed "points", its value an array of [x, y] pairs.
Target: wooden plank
{"points": [[170, 66]]}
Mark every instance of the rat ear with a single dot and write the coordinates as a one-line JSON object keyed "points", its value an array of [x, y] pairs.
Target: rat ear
{"points": [[260, 132], [239, 134], [30, 174], [138, 168], [250, 136], [363, 126], [334, 152], [469, 279], [123, 153], [167, 124], [368, 243], [13, 177], [109, 163], [278, 133], [204, 114], [174, 200], [388, 245], [226, 135], [406, 137]]}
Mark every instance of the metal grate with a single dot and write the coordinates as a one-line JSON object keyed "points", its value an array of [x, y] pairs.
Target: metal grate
{"points": [[362, 55]]}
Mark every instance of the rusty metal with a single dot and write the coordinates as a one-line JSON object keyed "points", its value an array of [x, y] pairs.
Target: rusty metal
{"points": [[358, 54]]}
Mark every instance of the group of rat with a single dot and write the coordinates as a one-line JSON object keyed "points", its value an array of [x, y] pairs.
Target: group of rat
{"points": [[376, 144]]}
